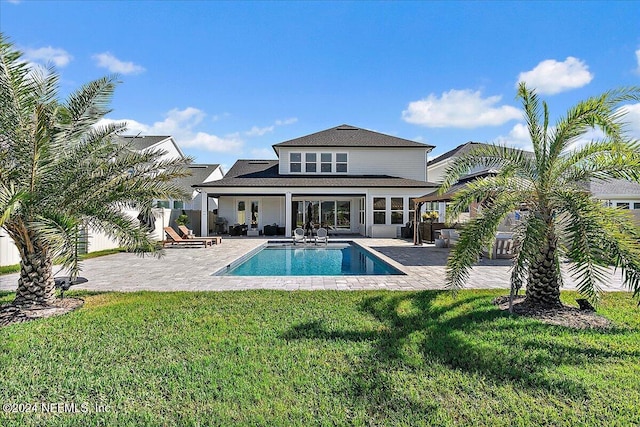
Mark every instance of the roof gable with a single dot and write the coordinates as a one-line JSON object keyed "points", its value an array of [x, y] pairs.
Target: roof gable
{"points": [[350, 136]]}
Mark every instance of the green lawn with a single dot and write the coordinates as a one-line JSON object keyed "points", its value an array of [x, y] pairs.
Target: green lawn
{"points": [[320, 358]]}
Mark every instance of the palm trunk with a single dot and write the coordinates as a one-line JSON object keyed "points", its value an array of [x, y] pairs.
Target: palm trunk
{"points": [[543, 287], [36, 284]]}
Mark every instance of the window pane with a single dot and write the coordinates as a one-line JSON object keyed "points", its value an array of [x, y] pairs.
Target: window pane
{"points": [[412, 204], [311, 167], [396, 203], [296, 167], [254, 212], [344, 214], [379, 203], [296, 157], [622, 205], [178, 204], [341, 157], [241, 216], [328, 214], [310, 157], [325, 167], [325, 157], [162, 204], [397, 217], [636, 205], [341, 167], [299, 208], [378, 218]]}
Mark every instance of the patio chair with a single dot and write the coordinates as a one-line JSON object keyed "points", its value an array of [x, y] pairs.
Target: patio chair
{"points": [[504, 246], [322, 236], [299, 236], [188, 234], [174, 238], [450, 237]]}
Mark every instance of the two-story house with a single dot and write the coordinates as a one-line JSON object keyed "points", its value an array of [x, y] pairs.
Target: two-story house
{"points": [[346, 179]]}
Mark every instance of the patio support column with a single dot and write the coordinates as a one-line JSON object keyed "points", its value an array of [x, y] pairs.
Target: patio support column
{"points": [[204, 213], [287, 214], [442, 211]]}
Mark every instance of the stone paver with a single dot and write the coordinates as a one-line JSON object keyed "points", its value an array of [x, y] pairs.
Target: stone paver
{"points": [[189, 269]]}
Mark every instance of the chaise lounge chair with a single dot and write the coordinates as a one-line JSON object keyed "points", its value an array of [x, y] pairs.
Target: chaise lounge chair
{"points": [[188, 234], [299, 236], [322, 236], [174, 238]]}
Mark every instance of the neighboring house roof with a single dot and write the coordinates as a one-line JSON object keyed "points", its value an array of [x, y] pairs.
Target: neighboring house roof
{"points": [[350, 136], [200, 173], [142, 142], [615, 188], [448, 195], [458, 151], [264, 173]]}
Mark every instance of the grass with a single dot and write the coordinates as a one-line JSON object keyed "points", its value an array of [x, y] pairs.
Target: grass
{"points": [[320, 358], [15, 268]]}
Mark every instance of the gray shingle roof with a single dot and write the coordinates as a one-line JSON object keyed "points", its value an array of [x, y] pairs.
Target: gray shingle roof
{"points": [[199, 172], [142, 142], [617, 187], [349, 136], [264, 173], [459, 150]]}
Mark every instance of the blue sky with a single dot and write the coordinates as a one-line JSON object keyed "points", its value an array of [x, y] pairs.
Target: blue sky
{"points": [[229, 79]]}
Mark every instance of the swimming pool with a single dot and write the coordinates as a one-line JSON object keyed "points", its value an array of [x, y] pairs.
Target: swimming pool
{"points": [[335, 259]]}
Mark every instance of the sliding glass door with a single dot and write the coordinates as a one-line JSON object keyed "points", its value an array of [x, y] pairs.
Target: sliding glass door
{"points": [[330, 214]]}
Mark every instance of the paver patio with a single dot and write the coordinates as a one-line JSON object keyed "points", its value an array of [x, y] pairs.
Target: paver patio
{"points": [[190, 269]]}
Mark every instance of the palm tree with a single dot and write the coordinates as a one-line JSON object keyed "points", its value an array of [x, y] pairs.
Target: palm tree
{"points": [[564, 222], [60, 171]]}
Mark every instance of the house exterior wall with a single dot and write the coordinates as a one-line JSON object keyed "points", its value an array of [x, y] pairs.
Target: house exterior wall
{"points": [[170, 149], [407, 163], [9, 254]]}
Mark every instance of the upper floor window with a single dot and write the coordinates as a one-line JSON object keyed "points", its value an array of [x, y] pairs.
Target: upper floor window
{"points": [[295, 162], [318, 163], [341, 162], [326, 162], [310, 162]]}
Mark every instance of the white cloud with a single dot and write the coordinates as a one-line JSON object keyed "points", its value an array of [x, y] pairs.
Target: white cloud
{"points": [[44, 55], [113, 64], [632, 119], [518, 137], [551, 77], [260, 131], [256, 131], [289, 121], [181, 125], [459, 108], [638, 60]]}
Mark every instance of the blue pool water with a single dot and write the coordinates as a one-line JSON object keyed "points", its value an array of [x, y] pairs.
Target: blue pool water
{"points": [[331, 260]]}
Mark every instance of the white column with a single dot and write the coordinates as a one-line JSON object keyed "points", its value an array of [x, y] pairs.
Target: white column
{"points": [[204, 213], [287, 214], [442, 212]]}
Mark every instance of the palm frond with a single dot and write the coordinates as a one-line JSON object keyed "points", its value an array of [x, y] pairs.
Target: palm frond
{"points": [[476, 234], [596, 237]]}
